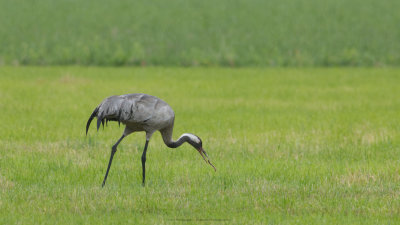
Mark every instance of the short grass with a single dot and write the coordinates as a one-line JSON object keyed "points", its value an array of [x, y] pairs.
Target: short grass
{"points": [[291, 146], [200, 32]]}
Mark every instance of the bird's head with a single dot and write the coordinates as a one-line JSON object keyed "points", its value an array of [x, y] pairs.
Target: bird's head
{"points": [[196, 142]]}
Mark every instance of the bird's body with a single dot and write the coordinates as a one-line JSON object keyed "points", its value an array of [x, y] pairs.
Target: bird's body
{"points": [[139, 112], [142, 112]]}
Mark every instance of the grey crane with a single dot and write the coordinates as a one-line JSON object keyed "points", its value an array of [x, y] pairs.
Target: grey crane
{"points": [[142, 112]]}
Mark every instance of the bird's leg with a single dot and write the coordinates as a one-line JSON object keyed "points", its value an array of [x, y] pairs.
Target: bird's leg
{"points": [[144, 161], [113, 150]]}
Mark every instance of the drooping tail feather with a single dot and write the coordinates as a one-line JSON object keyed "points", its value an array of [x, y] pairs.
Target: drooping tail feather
{"points": [[94, 113], [112, 108], [98, 123]]}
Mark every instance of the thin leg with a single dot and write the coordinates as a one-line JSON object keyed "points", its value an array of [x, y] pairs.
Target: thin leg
{"points": [[113, 150], [144, 161]]}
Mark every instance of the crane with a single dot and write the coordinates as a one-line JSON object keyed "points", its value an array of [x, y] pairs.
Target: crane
{"points": [[142, 112]]}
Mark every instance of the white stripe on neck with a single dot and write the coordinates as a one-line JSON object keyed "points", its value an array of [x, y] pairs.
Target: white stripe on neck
{"points": [[192, 137]]}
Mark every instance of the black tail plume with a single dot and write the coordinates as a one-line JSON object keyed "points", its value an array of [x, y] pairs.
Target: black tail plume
{"points": [[99, 120], [94, 113]]}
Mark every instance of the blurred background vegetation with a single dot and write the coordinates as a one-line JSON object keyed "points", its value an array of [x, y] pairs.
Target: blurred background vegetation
{"points": [[200, 32]]}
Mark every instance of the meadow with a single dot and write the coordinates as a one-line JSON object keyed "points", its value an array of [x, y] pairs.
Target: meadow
{"points": [[206, 33], [291, 146]]}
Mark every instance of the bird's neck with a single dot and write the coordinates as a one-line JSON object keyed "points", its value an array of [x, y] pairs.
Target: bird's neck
{"points": [[167, 137]]}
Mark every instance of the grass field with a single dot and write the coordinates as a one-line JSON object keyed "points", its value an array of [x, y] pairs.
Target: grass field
{"points": [[291, 146], [206, 32]]}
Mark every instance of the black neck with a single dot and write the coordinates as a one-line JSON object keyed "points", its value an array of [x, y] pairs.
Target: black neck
{"points": [[179, 142]]}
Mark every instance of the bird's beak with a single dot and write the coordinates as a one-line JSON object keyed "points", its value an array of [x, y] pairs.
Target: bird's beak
{"points": [[205, 157]]}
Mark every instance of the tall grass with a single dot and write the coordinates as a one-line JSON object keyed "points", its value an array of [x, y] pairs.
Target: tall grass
{"points": [[191, 33], [309, 146]]}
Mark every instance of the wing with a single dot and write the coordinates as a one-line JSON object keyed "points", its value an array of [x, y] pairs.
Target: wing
{"points": [[143, 108]]}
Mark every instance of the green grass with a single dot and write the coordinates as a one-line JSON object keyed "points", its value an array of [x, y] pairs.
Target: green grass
{"points": [[190, 33], [291, 146]]}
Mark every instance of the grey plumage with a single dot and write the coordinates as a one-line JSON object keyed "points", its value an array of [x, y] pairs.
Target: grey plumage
{"points": [[142, 112]]}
